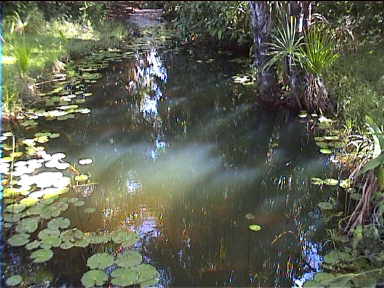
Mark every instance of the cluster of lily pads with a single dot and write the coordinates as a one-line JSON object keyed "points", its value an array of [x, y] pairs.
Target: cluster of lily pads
{"points": [[129, 270], [33, 194]]}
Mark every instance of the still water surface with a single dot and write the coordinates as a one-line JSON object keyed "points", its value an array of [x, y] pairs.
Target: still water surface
{"points": [[183, 156]]}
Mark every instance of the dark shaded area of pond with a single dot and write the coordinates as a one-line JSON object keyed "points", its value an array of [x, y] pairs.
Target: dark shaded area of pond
{"points": [[183, 156]]}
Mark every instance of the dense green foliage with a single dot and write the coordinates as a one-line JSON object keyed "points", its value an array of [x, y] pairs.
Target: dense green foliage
{"points": [[37, 41], [204, 20]]}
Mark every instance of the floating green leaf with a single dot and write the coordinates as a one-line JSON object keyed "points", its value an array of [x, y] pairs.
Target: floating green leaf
{"points": [[14, 280], [72, 235], [127, 238], [129, 259], [9, 217], [325, 151], [100, 261], [66, 245], [59, 223], [99, 238], [94, 278], [317, 181], [124, 277], [81, 178], [32, 245], [331, 182], [41, 255], [46, 233], [325, 205], [50, 241], [82, 242], [15, 208], [146, 273], [254, 227], [89, 210], [28, 225], [79, 203], [18, 239]]}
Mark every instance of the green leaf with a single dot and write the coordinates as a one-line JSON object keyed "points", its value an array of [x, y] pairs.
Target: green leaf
{"points": [[99, 238], [48, 233], [32, 245], [372, 164], [146, 273], [59, 223], [28, 225], [254, 227], [100, 261], [89, 210], [41, 255], [81, 178], [127, 238], [325, 205], [94, 278], [129, 259], [14, 280], [124, 277], [18, 240], [331, 182]]}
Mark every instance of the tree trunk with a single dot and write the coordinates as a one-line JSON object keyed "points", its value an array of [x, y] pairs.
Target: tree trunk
{"points": [[261, 27], [301, 10]]}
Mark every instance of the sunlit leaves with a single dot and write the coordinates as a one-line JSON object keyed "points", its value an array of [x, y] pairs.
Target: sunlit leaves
{"points": [[41, 255], [100, 261]]}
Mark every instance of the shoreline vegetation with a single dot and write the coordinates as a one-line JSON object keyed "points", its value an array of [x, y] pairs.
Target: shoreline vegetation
{"points": [[37, 46]]}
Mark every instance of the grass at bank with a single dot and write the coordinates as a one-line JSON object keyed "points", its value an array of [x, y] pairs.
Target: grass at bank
{"points": [[34, 49]]}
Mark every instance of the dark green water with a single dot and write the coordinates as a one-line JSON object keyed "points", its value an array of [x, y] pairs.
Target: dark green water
{"points": [[183, 156]]}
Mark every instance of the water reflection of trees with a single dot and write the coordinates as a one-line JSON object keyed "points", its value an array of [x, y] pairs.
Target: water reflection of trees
{"points": [[157, 106], [206, 238]]}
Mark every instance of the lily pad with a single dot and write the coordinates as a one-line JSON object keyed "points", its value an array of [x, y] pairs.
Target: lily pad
{"points": [[127, 238], [28, 225], [79, 203], [129, 259], [82, 242], [146, 273], [254, 227], [99, 238], [50, 241], [124, 277], [18, 239], [317, 181], [81, 178], [331, 182], [325, 151], [46, 233], [15, 208], [66, 245], [41, 255], [325, 205], [94, 278], [89, 210], [100, 261], [14, 280], [33, 245], [59, 223], [11, 218], [72, 235]]}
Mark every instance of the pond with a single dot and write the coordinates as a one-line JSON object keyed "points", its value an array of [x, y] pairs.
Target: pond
{"points": [[182, 155]]}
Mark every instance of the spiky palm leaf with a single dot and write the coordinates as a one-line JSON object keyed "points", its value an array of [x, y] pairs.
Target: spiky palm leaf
{"points": [[318, 53], [286, 43]]}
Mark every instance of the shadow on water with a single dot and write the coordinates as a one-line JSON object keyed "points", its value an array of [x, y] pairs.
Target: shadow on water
{"points": [[182, 156]]}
